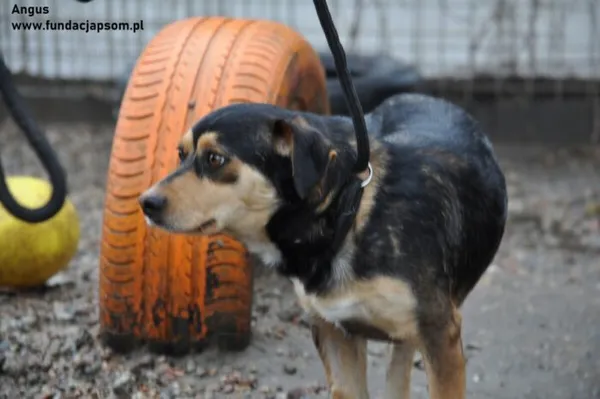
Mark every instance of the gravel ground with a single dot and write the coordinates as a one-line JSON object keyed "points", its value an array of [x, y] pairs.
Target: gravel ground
{"points": [[532, 326]]}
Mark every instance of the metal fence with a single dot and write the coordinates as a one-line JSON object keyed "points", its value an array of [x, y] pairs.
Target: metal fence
{"points": [[497, 47]]}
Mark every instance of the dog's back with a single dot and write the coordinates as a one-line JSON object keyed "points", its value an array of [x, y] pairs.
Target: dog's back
{"points": [[443, 194]]}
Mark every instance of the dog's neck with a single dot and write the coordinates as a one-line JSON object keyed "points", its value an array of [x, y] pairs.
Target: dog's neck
{"points": [[314, 239], [311, 242]]}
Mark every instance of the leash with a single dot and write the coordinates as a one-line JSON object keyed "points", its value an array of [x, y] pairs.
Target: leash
{"points": [[349, 202], [352, 101], [36, 138]]}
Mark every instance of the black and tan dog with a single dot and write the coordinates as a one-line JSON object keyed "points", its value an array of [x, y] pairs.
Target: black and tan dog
{"points": [[427, 226]]}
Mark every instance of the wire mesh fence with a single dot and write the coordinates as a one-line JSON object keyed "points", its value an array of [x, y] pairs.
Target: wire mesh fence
{"points": [[493, 48]]}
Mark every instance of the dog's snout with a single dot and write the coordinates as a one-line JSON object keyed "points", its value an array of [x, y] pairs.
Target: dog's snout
{"points": [[153, 205]]}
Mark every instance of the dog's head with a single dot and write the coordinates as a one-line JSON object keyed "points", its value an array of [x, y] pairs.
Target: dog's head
{"points": [[239, 164]]}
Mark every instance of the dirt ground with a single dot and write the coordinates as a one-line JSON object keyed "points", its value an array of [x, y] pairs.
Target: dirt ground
{"points": [[532, 326]]}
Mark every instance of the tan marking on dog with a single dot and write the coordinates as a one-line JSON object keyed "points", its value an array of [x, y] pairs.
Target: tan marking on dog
{"points": [[186, 143], [207, 141], [325, 203], [342, 268], [398, 373], [300, 121], [444, 360], [378, 161], [396, 248], [332, 155], [284, 141], [230, 172], [385, 303], [283, 148], [242, 208], [344, 360], [446, 157], [342, 263], [317, 193]]}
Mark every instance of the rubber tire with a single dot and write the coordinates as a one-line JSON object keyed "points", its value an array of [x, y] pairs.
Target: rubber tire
{"points": [[175, 292], [375, 78]]}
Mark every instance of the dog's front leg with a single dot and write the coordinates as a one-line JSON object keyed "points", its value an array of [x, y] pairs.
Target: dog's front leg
{"points": [[344, 358], [444, 360]]}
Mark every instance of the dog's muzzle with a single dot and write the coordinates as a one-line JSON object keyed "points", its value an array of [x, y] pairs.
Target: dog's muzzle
{"points": [[153, 206]]}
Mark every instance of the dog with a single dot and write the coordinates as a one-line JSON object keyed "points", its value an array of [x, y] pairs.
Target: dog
{"points": [[393, 260]]}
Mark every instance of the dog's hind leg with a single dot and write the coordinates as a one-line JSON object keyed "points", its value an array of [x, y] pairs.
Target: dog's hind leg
{"points": [[397, 383], [344, 358], [444, 359]]}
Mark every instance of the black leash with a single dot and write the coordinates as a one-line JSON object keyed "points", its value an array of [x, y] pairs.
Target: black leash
{"points": [[350, 201], [22, 116], [354, 106]]}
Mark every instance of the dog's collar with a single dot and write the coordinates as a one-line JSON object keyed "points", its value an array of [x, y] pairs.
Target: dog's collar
{"points": [[350, 199], [366, 182]]}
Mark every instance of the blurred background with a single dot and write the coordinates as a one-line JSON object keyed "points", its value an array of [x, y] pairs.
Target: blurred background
{"points": [[529, 70], [535, 59]]}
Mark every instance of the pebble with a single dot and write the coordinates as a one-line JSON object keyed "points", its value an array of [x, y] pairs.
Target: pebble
{"points": [[190, 366], [262, 308], [59, 279], [122, 384], [201, 372], [84, 338], [290, 314], [227, 388], [297, 393], [265, 389], [213, 387], [63, 311], [142, 362], [289, 369]]}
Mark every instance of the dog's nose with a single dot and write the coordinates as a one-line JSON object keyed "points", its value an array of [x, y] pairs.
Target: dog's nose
{"points": [[153, 205]]}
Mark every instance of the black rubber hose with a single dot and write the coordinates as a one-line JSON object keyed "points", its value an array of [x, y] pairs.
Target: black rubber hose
{"points": [[21, 115]]}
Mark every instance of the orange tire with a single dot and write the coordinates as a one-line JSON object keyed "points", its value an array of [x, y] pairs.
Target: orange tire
{"points": [[172, 291]]}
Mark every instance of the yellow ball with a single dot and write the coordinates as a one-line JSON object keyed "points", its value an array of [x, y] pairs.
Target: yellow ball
{"points": [[31, 253]]}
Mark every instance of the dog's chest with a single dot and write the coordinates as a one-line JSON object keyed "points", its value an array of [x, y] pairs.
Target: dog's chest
{"points": [[384, 303], [333, 309]]}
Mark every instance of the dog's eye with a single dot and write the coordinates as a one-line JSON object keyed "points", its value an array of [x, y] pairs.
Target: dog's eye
{"points": [[215, 160]]}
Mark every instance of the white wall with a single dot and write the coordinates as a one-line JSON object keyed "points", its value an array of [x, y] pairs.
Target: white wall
{"points": [[556, 38]]}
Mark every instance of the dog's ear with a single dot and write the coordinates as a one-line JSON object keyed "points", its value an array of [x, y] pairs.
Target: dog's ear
{"points": [[309, 152]]}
